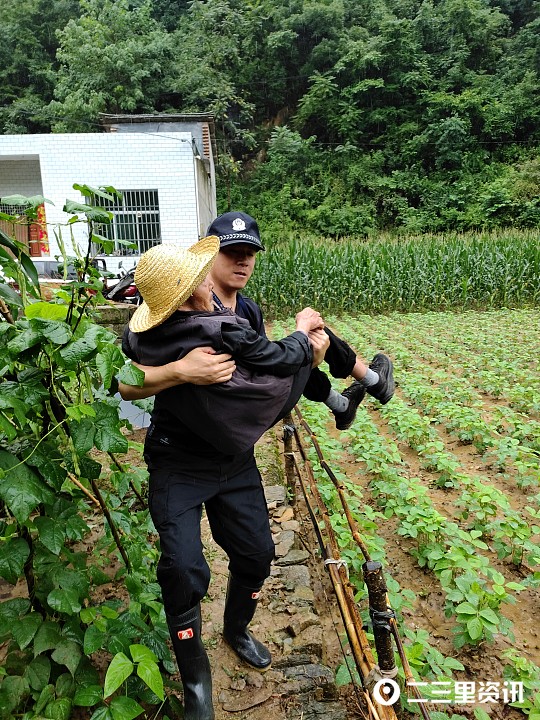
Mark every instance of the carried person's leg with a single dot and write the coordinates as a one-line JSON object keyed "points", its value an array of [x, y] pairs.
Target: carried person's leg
{"points": [[238, 517], [377, 380]]}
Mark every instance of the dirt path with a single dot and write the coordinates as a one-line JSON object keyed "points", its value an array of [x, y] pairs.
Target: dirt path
{"points": [[293, 618]]}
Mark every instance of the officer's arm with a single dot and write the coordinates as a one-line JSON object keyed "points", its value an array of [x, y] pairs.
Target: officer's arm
{"points": [[201, 366]]}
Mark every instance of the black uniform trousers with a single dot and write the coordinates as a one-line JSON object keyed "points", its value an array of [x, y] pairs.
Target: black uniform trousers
{"points": [[340, 358], [231, 490]]}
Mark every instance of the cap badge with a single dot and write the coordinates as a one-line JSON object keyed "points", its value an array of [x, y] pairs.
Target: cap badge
{"points": [[238, 225]]}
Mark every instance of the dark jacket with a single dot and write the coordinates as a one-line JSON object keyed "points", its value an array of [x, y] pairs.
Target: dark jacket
{"points": [[231, 416]]}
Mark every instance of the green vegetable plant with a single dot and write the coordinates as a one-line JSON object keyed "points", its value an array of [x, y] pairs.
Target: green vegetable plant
{"points": [[476, 608], [520, 669], [64, 488]]}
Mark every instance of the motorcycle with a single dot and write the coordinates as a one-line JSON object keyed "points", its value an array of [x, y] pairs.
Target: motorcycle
{"points": [[125, 290]]}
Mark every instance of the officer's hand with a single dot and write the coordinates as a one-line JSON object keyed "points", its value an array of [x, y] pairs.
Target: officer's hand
{"points": [[320, 343], [203, 366], [309, 319]]}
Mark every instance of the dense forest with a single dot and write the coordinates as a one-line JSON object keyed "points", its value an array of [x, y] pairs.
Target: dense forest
{"points": [[337, 117]]}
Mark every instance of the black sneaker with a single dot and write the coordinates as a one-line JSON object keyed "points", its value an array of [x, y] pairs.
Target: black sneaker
{"points": [[383, 391], [355, 393]]}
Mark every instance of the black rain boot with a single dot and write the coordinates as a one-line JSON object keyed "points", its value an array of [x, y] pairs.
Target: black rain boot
{"points": [[193, 664], [240, 607]]}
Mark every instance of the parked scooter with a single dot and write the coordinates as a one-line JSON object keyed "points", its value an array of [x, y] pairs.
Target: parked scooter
{"points": [[125, 290]]}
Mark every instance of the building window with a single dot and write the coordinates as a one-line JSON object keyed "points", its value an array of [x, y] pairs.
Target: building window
{"points": [[32, 233], [136, 218]]}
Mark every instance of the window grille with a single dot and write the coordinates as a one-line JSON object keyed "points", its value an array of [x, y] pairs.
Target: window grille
{"points": [[136, 218], [13, 209], [20, 228]]}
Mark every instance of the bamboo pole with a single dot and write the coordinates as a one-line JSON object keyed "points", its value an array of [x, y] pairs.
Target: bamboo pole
{"points": [[376, 579], [362, 654], [83, 489], [288, 432]]}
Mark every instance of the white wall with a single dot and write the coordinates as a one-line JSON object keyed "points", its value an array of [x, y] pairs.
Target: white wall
{"points": [[128, 161]]}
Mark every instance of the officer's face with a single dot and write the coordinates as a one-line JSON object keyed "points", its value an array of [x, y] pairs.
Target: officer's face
{"points": [[234, 266]]}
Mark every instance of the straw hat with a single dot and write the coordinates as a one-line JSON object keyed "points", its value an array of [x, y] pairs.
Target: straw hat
{"points": [[166, 276]]}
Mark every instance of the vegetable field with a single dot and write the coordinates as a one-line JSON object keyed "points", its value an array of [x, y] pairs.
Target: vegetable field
{"points": [[445, 483]]}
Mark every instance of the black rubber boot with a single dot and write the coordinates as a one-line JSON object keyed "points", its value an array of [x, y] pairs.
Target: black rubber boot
{"points": [[240, 607], [193, 664]]}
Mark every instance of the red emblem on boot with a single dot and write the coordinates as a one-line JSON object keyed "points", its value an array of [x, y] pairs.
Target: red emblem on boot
{"points": [[185, 634], [255, 595]]}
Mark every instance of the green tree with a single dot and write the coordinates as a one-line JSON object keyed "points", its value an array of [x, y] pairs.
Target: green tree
{"points": [[114, 58], [27, 61]]}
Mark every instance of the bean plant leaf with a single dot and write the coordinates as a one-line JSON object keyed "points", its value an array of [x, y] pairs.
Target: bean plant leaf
{"points": [[11, 297], [30, 271], [149, 673], [52, 533], [23, 341], [47, 460], [88, 696], [83, 434], [54, 331], [47, 637], [21, 489], [91, 192], [23, 630], [64, 601], [474, 628], [59, 709], [108, 436], [106, 243], [108, 361], [129, 374], [32, 391], [7, 427], [44, 697], [96, 214], [93, 639], [140, 653], [38, 672], [489, 615], [102, 713], [125, 708], [81, 349], [118, 671], [46, 311], [68, 653], [13, 555], [20, 409], [14, 689], [466, 609]]}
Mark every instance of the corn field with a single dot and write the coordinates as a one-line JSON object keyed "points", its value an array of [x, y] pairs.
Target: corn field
{"points": [[473, 271]]}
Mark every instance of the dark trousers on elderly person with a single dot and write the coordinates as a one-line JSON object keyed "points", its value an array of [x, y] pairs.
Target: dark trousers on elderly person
{"points": [[341, 360]]}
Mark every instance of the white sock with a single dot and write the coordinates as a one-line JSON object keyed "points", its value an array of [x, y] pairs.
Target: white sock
{"points": [[371, 378], [336, 402]]}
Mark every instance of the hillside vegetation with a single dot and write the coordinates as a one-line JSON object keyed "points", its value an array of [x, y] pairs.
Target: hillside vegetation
{"points": [[335, 117]]}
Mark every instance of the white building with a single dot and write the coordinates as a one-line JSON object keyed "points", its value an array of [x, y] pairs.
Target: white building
{"points": [[163, 165]]}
